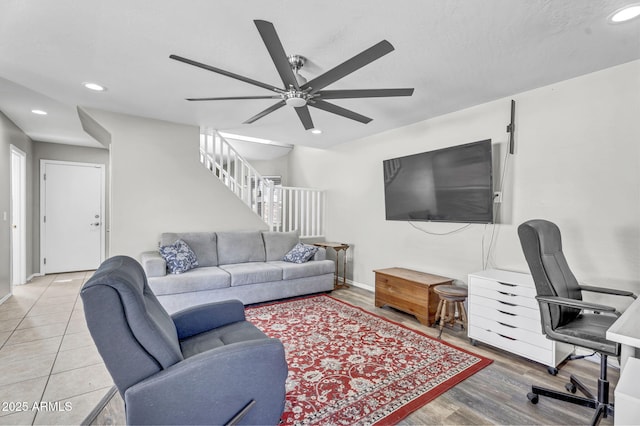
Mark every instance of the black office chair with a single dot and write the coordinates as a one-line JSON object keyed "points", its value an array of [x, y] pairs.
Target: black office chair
{"points": [[563, 313]]}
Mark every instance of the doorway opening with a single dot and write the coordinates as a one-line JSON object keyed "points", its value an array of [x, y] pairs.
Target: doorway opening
{"points": [[18, 216]]}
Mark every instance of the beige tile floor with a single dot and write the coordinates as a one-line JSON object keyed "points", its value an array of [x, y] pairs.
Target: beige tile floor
{"points": [[50, 370]]}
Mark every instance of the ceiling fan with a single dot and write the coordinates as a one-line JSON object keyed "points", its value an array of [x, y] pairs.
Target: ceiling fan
{"points": [[298, 92]]}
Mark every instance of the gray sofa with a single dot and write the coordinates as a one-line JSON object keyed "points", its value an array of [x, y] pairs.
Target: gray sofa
{"points": [[243, 265]]}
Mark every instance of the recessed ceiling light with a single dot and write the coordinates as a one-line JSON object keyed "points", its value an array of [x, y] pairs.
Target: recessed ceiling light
{"points": [[316, 131], [626, 13], [39, 112], [94, 86]]}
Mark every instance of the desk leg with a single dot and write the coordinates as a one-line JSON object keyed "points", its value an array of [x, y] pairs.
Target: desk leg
{"points": [[626, 352]]}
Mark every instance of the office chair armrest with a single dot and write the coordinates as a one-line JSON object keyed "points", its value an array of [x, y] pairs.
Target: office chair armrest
{"points": [[573, 303], [201, 318], [604, 290]]}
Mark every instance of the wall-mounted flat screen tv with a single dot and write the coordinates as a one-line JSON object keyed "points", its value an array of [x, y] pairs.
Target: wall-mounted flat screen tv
{"points": [[453, 184]]}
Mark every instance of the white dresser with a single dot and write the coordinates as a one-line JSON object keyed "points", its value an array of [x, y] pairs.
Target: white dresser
{"points": [[504, 313]]}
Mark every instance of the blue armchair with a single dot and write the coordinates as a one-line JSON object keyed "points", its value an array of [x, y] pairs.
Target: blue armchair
{"points": [[202, 365]]}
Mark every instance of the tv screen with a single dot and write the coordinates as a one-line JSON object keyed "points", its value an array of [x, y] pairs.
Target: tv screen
{"points": [[452, 184]]}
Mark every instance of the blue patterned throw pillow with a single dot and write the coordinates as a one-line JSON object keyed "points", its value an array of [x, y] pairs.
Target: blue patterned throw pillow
{"points": [[179, 257], [300, 253]]}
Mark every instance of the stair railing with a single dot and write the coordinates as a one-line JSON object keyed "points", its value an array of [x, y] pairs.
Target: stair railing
{"points": [[281, 208]]}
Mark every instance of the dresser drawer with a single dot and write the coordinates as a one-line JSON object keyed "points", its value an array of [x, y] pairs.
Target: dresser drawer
{"points": [[534, 338], [544, 355], [498, 305], [504, 317], [504, 287], [502, 296]]}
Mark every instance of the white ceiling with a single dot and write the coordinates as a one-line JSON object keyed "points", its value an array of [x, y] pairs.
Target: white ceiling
{"points": [[455, 53]]}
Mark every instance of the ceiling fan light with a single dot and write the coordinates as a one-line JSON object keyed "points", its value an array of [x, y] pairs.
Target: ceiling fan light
{"points": [[296, 102]]}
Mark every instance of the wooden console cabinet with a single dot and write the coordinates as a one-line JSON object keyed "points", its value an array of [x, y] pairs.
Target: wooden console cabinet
{"points": [[409, 291]]}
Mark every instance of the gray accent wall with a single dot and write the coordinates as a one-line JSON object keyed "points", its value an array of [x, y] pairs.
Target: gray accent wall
{"points": [[158, 185], [577, 163], [10, 134]]}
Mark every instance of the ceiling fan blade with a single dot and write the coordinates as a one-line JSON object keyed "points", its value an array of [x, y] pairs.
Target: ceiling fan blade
{"points": [[278, 56], [230, 98], [305, 117], [226, 73], [363, 93], [360, 60], [335, 109], [269, 110]]}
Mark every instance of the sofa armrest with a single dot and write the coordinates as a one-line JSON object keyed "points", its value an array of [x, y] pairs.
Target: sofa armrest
{"points": [[321, 254], [213, 386], [153, 264], [201, 318]]}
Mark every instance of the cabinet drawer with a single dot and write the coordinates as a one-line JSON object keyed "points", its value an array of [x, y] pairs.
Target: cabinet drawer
{"points": [[534, 338], [499, 305], [505, 297], [504, 317], [502, 286], [544, 355]]}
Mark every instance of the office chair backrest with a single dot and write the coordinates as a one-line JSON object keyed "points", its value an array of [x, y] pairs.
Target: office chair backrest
{"points": [[542, 246], [134, 334]]}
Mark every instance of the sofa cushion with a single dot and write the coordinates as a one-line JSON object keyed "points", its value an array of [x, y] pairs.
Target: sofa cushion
{"points": [[240, 247], [252, 273], [291, 271], [198, 279], [179, 257], [300, 253], [203, 245], [277, 244]]}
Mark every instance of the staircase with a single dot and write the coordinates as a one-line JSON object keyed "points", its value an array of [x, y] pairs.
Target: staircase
{"points": [[281, 208]]}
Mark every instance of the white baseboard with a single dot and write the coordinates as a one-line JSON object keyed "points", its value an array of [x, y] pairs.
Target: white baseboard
{"points": [[361, 285], [5, 298]]}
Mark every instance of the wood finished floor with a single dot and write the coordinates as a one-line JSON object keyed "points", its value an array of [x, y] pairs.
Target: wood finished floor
{"points": [[495, 395]]}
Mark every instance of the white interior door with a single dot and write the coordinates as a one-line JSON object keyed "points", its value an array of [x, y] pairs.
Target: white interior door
{"points": [[18, 216], [72, 208]]}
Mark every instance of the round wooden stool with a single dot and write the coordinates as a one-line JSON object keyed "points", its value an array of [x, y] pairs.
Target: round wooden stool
{"points": [[452, 297]]}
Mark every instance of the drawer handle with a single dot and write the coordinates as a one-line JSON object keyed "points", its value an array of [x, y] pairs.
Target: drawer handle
{"points": [[507, 303], [507, 313], [507, 294], [507, 284], [506, 337], [506, 325]]}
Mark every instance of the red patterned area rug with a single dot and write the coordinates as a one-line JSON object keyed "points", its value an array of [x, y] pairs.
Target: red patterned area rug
{"points": [[348, 366]]}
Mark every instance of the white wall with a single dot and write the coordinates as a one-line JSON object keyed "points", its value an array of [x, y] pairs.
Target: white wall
{"points": [[10, 134], [158, 185], [577, 163]]}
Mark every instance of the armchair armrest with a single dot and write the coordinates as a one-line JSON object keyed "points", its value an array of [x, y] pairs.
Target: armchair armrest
{"points": [[213, 386], [153, 264], [604, 290], [573, 303], [201, 318]]}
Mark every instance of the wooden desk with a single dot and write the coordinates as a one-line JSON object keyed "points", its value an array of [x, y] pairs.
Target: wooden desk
{"points": [[409, 291], [338, 247], [627, 332]]}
